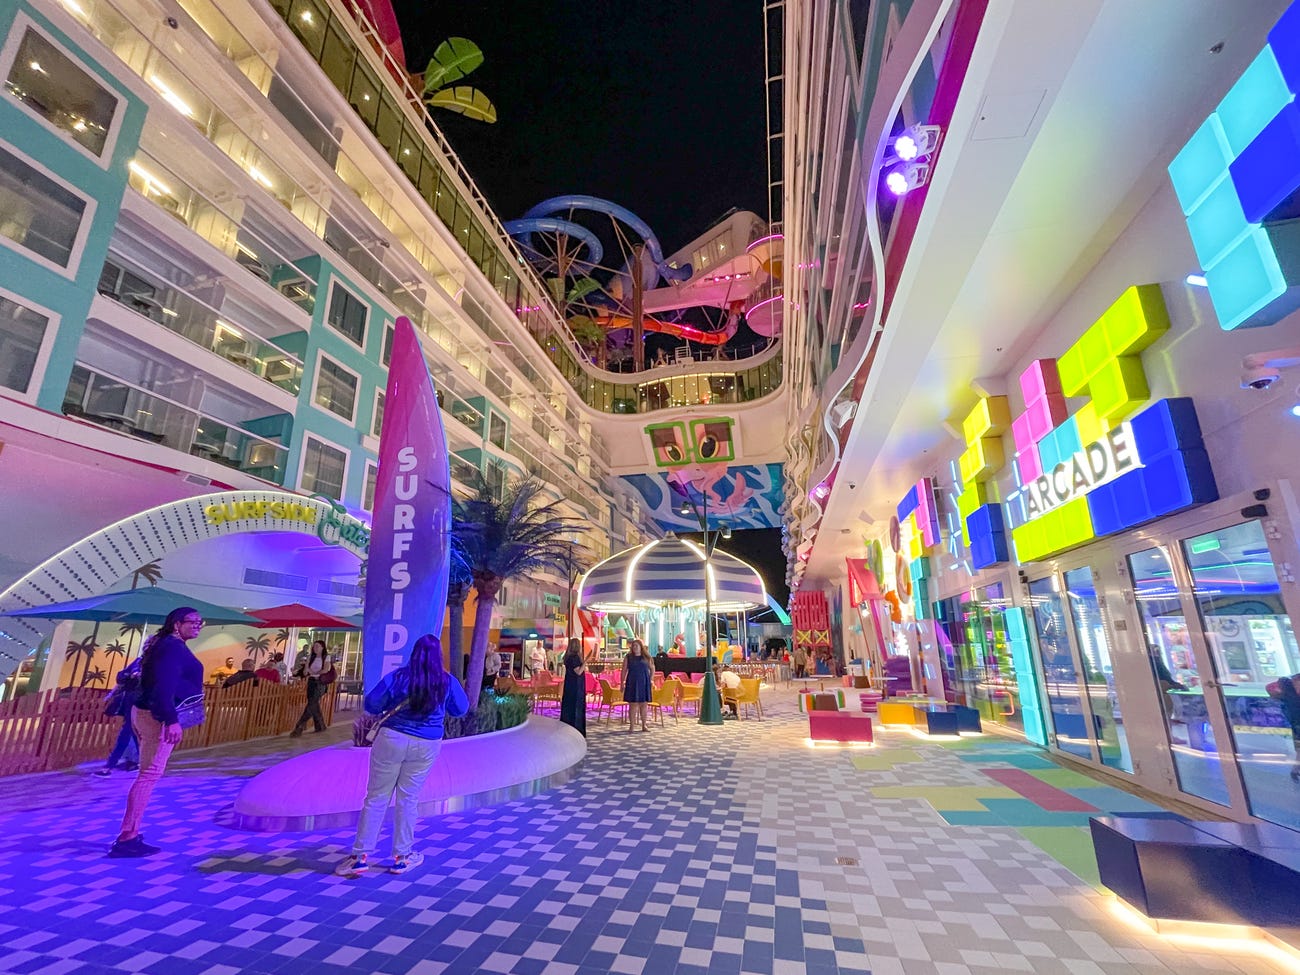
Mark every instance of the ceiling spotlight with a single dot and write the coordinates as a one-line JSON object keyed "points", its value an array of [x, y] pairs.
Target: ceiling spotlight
{"points": [[1197, 281], [917, 141], [907, 177]]}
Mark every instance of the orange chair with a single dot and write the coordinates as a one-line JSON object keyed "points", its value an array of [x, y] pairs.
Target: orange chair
{"points": [[665, 696], [611, 698], [746, 696], [690, 693]]}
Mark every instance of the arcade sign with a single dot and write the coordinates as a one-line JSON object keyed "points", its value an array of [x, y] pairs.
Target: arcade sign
{"points": [[1099, 463]]}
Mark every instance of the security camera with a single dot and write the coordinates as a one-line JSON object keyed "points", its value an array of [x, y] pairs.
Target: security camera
{"points": [[1260, 370], [1261, 378]]}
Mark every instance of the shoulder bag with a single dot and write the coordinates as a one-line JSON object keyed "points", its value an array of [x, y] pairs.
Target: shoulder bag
{"points": [[365, 729], [189, 712]]}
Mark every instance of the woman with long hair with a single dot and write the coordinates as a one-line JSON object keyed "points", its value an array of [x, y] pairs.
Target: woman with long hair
{"points": [[169, 674], [638, 681], [318, 668], [573, 702], [414, 699]]}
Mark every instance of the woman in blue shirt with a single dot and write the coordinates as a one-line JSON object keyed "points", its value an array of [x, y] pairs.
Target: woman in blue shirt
{"points": [[415, 698], [169, 674]]}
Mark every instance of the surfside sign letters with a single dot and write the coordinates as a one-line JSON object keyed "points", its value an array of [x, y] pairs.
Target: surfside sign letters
{"points": [[1101, 461]]}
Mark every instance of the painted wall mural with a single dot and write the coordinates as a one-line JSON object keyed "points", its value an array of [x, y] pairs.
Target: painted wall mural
{"points": [[741, 496]]}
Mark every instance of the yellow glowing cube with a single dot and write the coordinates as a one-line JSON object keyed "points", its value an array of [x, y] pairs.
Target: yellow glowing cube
{"points": [[1119, 388], [1136, 319], [981, 460], [1056, 531], [990, 417], [1072, 371], [976, 494]]}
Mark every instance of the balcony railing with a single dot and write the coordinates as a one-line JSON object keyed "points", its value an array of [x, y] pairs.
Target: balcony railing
{"points": [[185, 315], [126, 408]]}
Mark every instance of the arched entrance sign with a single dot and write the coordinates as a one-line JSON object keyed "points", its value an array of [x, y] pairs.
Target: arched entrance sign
{"points": [[94, 564]]}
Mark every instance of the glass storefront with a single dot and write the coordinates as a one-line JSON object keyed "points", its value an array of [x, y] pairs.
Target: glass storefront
{"points": [[1060, 673], [1098, 674], [1252, 644], [978, 667], [1175, 671]]}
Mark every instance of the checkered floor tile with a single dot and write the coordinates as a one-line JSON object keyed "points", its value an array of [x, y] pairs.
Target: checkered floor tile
{"points": [[688, 850]]}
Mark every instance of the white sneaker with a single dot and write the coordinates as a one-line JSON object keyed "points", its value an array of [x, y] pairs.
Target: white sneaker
{"points": [[352, 867], [401, 864]]}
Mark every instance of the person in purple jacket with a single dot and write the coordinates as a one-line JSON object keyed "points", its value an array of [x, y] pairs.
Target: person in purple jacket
{"points": [[416, 698], [170, 673]]}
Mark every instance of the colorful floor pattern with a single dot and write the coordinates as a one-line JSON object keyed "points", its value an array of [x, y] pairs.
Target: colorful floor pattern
{"points": [[739, 850], [1047, 804]]}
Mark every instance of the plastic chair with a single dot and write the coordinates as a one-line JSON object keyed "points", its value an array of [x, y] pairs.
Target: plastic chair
{"points": [[746, 696], [610, 698], [665, 696], [691, 693]]}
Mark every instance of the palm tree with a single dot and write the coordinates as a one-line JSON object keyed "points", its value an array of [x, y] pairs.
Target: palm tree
{"points": [[130, 631], [282, 638], [257, 645], [96, 676], [86, 648], [452, 60], [150, 572], [458, 587], [115, 649], [504, 531]]}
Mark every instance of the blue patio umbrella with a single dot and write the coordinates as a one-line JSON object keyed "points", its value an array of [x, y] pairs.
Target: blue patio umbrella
{"points": [[150, 604]]}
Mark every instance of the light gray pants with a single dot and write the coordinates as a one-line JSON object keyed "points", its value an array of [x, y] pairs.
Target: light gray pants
{"points": [[398, 763]]}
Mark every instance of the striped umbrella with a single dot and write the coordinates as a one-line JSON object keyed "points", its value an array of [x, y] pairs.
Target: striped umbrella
{"points": [[670, 572]]}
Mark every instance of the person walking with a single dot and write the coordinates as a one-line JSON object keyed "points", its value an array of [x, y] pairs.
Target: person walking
{"points": [[169, 675], [415, 699], [573, 701], [638, 683], [800, 660], [318, 668], [126, 750], [1287, 691]]}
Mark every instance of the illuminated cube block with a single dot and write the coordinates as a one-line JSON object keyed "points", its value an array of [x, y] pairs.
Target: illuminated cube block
{"points": [[1175, 472], [990, 417], [1135, 320], [986, 536], [1118, 388], [1200, 164], [976, 494], [1268, 170], [1060, 529], [1253, 101], [1060, 445], [981, 460]]}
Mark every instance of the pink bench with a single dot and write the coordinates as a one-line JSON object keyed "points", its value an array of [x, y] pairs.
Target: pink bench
{"points": [[839, 726]]}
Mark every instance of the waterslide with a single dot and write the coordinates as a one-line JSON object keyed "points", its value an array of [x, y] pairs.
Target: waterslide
{"points": [[729, 285]]}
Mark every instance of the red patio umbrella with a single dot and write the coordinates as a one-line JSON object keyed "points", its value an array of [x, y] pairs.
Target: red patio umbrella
{"points": [[298, 615]]}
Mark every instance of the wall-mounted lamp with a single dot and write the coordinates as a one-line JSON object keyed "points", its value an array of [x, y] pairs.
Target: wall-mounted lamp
{"points": [[917, 141], [907, 177]]}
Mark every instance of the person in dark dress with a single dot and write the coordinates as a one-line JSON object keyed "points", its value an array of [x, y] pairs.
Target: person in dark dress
{"points": [[638, 685], [573, 702], [169, 674]]}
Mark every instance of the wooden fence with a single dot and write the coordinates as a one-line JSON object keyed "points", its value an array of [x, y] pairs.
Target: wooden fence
{"points": [[62, 728]]}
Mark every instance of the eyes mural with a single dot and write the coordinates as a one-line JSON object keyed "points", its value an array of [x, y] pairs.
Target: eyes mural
{"points": [[678, 443]]}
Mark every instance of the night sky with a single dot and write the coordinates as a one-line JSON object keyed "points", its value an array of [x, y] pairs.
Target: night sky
{"points": [[656, 106]]}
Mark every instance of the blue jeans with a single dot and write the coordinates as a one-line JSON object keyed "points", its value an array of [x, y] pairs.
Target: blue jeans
{"points": [[398, 763], [125, 747]]}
